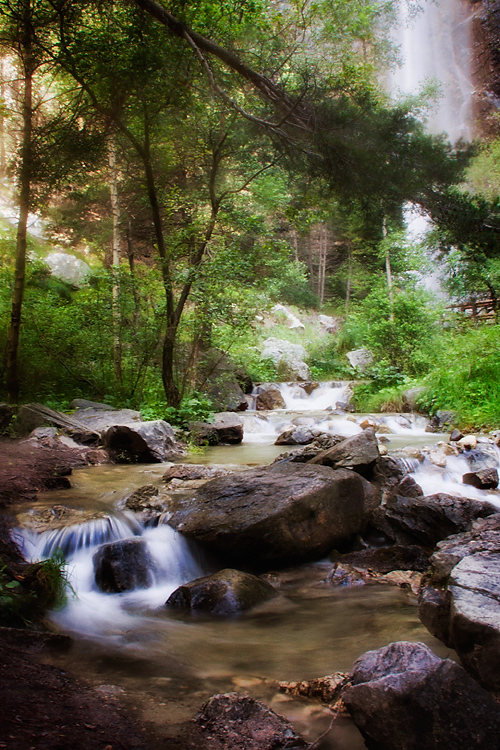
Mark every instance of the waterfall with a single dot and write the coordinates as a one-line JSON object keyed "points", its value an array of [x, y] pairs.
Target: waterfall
{"points": [[434, 42]]}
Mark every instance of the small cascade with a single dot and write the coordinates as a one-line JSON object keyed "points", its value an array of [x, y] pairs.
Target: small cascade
{"points": [[69, 539], [92, 612], [303, 397]]}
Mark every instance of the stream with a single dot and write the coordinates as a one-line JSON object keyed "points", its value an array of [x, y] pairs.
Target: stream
{"points": [[165, 664]]}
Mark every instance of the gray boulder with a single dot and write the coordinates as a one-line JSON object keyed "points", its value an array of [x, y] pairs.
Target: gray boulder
{"points": [[145, 442], [411, 398], [122, 566], [278, 514], [146, 503], [100, 419], [297, 436], [306, 453], [228, 592], [460, 601], [68, 268], [232, 721], [288, 358], [427, 520], [359, 453], [403, 697], [360, 359], [441, 421]]}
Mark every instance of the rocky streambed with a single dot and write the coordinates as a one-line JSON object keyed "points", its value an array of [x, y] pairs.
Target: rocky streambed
{"points": [[261, 584]]}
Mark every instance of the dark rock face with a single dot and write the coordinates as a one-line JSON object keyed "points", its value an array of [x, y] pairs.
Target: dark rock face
{"points": [[386, 559], [238, 722], [269, 397], [278, 514], [145, 442], [427, 520], [228, 592], [358, 453], [227, 428], [403, 697], [122, 566], [485, 479], [146, 503]]}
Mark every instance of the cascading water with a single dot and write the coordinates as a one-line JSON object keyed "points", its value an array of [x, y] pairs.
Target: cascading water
{"points": [[434, 41]]}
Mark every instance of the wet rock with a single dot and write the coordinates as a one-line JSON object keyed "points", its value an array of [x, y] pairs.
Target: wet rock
{"points": [[441, 421], [368, 422], [468, 442], [480, 459], [228, 592], [122, 566], [456, 435], [427, 520], [269, 397], [325, 689], [226, 428], [304, 454], [100, 419], [189, 472], [386, 559], [296, 436], [403, 697], [146, 503], [358, 453], [288, 358], [486, 479], [31, 416], [407, 487], [277, 514], [308, 388], [144, 442], [238, 722], [346, 576]]}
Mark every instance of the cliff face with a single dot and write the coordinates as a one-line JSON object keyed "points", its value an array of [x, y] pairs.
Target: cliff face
{"points": [[486, 65]]}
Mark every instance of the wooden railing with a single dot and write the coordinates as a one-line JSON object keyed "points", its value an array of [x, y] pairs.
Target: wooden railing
{"points": [[480, 311]]}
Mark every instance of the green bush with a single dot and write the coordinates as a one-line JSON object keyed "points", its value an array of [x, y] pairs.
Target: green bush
{"points": [[465, 377]]}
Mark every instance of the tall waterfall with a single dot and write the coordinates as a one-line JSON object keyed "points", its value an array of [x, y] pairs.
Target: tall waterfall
{"points": [[434, 42]]}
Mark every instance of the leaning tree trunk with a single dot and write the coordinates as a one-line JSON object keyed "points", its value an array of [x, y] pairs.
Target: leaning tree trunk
{"points": [[12, 373], [115, 265]]}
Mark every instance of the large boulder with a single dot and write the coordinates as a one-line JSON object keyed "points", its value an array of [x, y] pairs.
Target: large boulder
{"points": [[122, 566], [306, 453], [360, 359], [359, 453], [226, 428], [277, 514], [427, 520], [145, 442], [146, 503], [228, 592], [68, 268], [403, 697], [460, 601], [288, 358], [269, 397], [231, 721]]}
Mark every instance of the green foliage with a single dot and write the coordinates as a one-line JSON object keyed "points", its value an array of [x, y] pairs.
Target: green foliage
{"points": [[27, 596], [465, 376], [398, 335], [193, 408]]}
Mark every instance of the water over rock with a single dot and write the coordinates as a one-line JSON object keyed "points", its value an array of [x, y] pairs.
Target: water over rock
{"points": [[306, 453], [228, 592], [232, 721], [123, 565], [403, 697], [278, 514], [146, 503]]}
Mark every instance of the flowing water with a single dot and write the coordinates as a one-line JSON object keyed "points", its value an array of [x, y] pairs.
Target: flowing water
{"points": [[167, 664]]}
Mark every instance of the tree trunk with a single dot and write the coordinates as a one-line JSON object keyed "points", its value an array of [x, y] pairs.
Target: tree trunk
{"points": [[115, 264], [3, 159], [349, 275], [388, 272], [12, 373], [323, 244]]}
